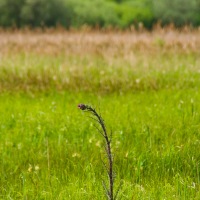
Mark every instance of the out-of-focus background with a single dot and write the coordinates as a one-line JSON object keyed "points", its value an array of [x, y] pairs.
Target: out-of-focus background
{"points": [[98, 13]]}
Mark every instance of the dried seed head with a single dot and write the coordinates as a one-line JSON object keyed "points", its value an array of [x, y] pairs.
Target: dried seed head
{"points": [[82, 106]]}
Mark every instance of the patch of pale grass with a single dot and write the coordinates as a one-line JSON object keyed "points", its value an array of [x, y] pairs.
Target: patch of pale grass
{"points": [[99, 61], [103, 43]]}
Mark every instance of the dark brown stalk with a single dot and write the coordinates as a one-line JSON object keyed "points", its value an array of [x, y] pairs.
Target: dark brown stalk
{"points": [[99, 119]]}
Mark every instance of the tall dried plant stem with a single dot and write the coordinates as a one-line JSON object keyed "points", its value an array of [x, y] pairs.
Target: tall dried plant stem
{"points": [[98, 118]]}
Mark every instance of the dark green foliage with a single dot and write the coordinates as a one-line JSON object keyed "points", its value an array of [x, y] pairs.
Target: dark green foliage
{"points": [[10, 12], [34, 13], [104, 13], [46, 12], [179, 12]]}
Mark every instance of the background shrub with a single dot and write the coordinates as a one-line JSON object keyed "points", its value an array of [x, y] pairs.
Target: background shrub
{"points": [[179, 12], [10, 12], [45, 12], [117, 13], [134, 12], [96, 12], [35, 13]]}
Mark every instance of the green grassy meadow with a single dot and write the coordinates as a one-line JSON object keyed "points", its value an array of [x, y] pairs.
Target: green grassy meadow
{"points": [[146, 87]]}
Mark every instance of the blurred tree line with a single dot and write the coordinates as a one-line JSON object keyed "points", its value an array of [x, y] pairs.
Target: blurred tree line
{"points": [[102, 13]]}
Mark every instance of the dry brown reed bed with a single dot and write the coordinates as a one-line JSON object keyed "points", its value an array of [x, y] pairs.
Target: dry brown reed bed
{"points": [[99, 42], [100, 61]]}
